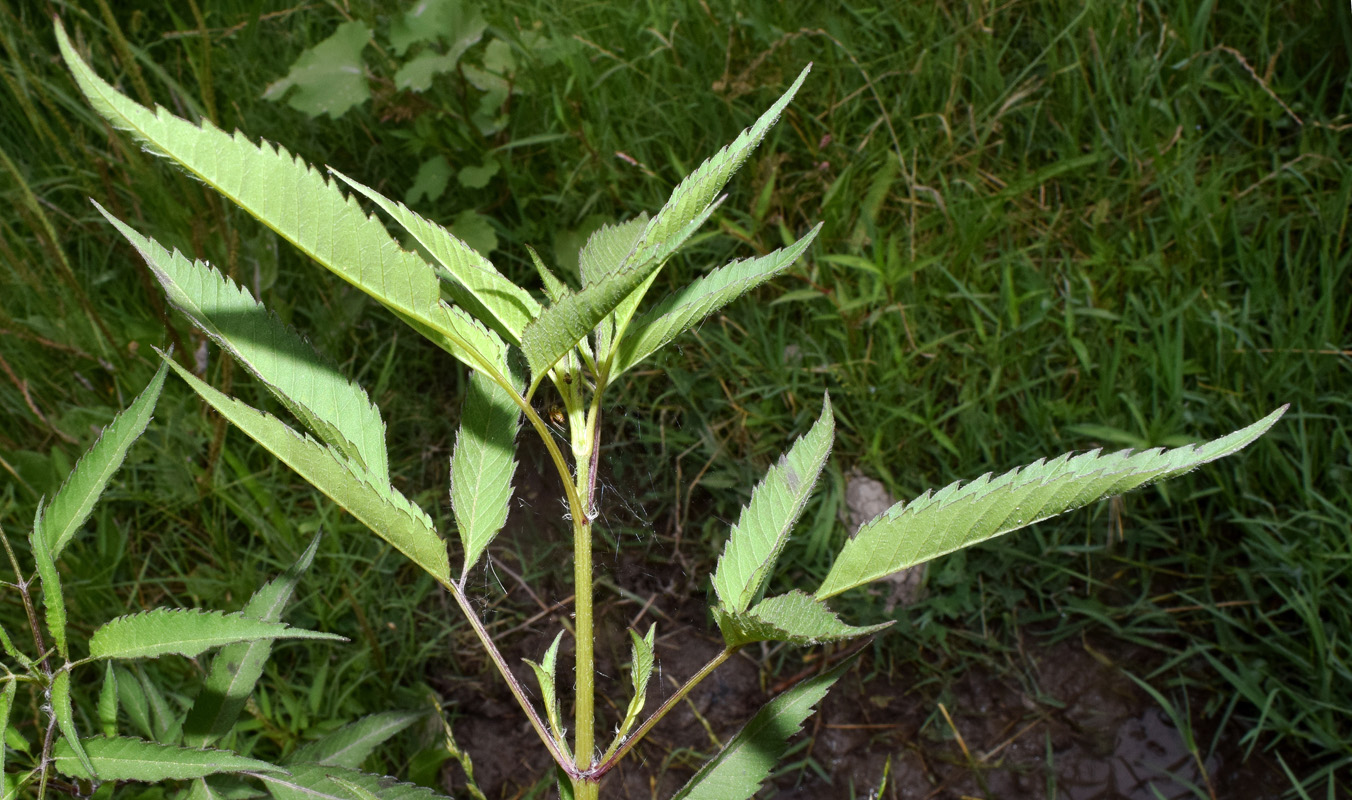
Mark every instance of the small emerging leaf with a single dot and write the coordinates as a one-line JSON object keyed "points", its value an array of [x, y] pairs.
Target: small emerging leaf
{"points": [[544, 675], [108, 701], [641, 663], [796, 617], [125, 759], [960, 515], [185, 631], [482, 466], [351, 744], [65, 717], [132, 698]]}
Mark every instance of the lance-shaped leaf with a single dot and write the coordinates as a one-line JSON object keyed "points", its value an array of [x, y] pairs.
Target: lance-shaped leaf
{"points": [[166, 726], [64, 712], [763, 528], [351, 744], [108, 701], [338, 411], [608, 247], [796, 617], [544, 675], [132, 698], [236, 669], [315, 782], [126, 759], [71, 504], [380, 507], [745, 762], [303, 207], [186, 632], [641, 663], [7, 644], [6, 706], [482, 466], [960, 515], [476, 284], [674, 315], [53, 601]]}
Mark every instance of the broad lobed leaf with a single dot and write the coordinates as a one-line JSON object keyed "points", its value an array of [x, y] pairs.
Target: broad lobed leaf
{"points": [[186, 632], [351, 744], [126, 759], [796, 617], [337, 410], [482, 466], [960, 514], [764, 525]]}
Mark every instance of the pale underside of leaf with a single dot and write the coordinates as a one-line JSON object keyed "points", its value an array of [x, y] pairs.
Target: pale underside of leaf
{"points": [[126, 759], [303, 207], [738, 770], [382, 508], [796, 617], [235, 670], [335, 409], [657, 327], [607, 248], [71, 504], [482, 466], [960, 514], [186, 632], [314, 782], [483, 291], [351, 744], [764, 525]]}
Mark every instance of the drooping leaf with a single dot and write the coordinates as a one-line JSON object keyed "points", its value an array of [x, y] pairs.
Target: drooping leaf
{"points": [[641, 663], [776, 503], [127, 759], [351, 744], [960, 514], [338, 411], [328, 78], [796, 617], [300, 205], [482, 466], [64, 712], [70, 506], [607, 248], [745, 762], [186, 632], [53, 601], [545, 672], [108, 701], [236, 668], [381, 508], [674, 315], [476, 284], [314, 782]]}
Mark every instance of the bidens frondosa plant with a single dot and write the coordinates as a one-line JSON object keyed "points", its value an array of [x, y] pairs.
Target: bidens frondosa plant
{"points": [[578, 339]]}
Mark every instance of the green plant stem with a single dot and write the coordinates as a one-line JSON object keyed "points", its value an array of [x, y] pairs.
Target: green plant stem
{"points": [[617, 752]]}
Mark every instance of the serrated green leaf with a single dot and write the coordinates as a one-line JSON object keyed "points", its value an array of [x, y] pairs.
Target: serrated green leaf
{"points": [[544, 676], [607, 248], [776, 503], [299, 204], [108, 701], [745, 762], [354, 789], [185, 632], [351, 744], [335, 409], [132, 698], [328, 78], [64, 712], [6, 706], [314, 782], [641, 663], [236, 668], [796, 617], [7, 644], [960, 515], [53, 601], [381, 508], [674, 315], [218, 787], [127, 759], [71, 504], [555, 289], [476, 285], [482, 466]]}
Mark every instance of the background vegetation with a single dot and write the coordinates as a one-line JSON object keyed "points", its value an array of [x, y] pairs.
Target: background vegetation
{"points": [[1049, 226]]}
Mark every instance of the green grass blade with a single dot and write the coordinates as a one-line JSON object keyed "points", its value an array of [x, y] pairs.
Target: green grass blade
{"points": [[796, 617], [677, 313], [337, 410], [351, 744], [186, 632], [763, 527], [315, 782], [236, 669], [126, 759], [70, 506], [960, 515], [482, 466], [53, 600], [64, 712], [381, 507], [477, 285], [303, 207], [740, 767]]}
